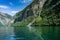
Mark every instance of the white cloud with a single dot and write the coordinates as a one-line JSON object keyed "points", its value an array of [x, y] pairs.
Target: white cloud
{"points": [[25, 1], [11, 3], [4, 7], [14, 11]]}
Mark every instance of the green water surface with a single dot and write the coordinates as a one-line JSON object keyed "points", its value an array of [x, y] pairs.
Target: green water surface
{"points": [[25, 33]]}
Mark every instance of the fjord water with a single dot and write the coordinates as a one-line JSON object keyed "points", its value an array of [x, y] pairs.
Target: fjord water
{"points": [[24, 33]]}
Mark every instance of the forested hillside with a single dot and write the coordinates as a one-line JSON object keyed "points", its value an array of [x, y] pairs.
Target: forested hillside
{"points": [[45, 12], [51, 12]]}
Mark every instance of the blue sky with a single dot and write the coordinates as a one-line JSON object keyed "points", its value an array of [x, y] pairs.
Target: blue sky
{"points": [[13, 6]]}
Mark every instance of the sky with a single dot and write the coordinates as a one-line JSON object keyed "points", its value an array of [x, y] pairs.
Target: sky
{"points": [[13, 6]]}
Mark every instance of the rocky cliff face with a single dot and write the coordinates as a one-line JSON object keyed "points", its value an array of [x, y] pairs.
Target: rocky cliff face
{"points": [[5, 18]]}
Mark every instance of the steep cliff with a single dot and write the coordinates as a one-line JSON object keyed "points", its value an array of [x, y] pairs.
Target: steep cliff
{"points": [[31, 12], [46, 12]]}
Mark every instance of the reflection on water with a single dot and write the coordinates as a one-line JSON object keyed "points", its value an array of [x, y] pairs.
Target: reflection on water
{"points": [[49, 32], [6, 33], [23, 33]]}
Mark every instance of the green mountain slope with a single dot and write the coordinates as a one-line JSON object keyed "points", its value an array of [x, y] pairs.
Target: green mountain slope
{"points": [[46, 12], [51, 12]]}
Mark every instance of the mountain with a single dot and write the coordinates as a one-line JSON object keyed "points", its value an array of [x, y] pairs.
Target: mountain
{"points": [[30, 10], [51, 12], [28, 14], [4, 19], [45, 12]]}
